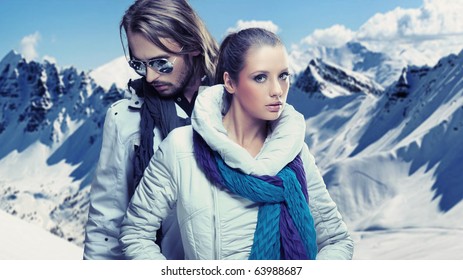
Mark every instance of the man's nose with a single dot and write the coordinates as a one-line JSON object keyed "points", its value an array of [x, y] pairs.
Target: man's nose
{"points": [[151, 75]]}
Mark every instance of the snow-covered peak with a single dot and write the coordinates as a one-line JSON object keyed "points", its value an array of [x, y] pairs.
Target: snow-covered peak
{"points": [[116, 72], [51, 124], [12, 58], [352, 56], [333, 81]]}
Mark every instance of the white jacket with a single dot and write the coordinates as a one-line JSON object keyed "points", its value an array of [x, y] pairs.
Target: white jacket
{"points": [[114, 177], [215, 223]]}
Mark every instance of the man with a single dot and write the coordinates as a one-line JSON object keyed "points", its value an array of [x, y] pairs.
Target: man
{"points": [[170, 47]]}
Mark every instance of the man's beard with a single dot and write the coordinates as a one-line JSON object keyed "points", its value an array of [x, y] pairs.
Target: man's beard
{"points": [[184, 82], [178, 88]]}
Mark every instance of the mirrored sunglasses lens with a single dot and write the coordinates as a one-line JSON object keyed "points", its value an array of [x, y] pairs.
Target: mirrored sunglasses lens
{"points": [[138, 66], [157, 63], [166, 69], [161, 65]]}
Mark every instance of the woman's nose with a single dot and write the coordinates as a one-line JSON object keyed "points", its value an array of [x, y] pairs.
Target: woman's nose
{"points": [[276, 89]]}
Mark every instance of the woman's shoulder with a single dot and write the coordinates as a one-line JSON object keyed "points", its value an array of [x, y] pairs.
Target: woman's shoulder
{"points": [[180, 133], [179, 140]]}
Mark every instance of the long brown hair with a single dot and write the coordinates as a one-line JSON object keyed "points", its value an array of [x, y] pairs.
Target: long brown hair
{"points": [[173, 19], [236, 45]]}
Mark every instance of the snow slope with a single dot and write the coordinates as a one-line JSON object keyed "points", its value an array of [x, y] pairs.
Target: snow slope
{"points": [[20, 240]]}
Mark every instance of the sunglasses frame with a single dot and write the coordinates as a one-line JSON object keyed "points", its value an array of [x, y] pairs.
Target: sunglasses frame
{"points": [[151, 64]]}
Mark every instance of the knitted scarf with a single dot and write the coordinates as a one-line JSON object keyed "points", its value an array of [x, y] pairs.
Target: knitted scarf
{"points": [[285, 227], [155, 111]]}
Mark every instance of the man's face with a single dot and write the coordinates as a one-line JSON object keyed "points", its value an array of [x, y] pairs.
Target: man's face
{"points": [[166, 84]]}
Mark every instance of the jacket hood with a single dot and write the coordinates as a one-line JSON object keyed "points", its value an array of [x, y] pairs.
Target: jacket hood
{"points": [[284, 141]]}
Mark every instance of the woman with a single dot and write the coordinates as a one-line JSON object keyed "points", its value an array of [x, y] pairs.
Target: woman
{"points": [[240, 188]]}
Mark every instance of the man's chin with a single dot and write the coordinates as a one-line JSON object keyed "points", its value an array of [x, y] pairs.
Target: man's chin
{"points": [[167, 94], [163, 89]]}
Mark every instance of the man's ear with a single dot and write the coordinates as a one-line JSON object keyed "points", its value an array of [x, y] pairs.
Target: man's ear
{"points": [[228, 83]]}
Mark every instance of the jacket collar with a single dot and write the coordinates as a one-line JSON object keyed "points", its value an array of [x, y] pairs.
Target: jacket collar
{"points": [[135, 101], [283, 143]]}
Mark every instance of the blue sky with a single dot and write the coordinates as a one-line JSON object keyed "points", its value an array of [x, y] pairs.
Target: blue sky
{"points": [[84, 33]]}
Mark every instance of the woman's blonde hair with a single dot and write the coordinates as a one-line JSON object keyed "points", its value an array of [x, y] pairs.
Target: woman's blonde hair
{"points": [[173, 19]]}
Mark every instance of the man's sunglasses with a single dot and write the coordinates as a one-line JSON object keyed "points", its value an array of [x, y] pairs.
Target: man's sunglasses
{"points": [[160, 65]]}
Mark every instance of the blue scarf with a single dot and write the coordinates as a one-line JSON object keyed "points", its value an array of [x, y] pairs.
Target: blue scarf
{"points": [[285, 227]]}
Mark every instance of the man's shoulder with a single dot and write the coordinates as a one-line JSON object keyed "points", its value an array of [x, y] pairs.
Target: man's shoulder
{"points": [[132, 102], [123, 108], [119, 104], [124, 119]]}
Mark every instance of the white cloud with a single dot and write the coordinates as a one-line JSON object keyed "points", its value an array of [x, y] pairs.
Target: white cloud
{"points": [[335, 36], [436, 19], [430, 32], [241, 24], [434, 30], [28, 46], [50, 59]]}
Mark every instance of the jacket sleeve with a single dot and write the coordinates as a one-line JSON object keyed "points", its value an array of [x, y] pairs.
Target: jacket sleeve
{"points": [[153, 201], [333, 239], [108, 194]]}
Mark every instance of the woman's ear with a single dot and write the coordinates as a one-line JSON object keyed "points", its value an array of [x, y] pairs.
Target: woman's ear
{"points": [[228, 83]]}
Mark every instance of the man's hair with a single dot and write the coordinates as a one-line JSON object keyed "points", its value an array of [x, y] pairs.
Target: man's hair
{"points": [[235, 47], [173, 19]]}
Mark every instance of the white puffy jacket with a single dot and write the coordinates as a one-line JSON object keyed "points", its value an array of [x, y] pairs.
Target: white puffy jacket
{"points": [[114, 177], [215, 223]]}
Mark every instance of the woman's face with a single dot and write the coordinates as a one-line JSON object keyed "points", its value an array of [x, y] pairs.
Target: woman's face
{"points": [[262, 87]]}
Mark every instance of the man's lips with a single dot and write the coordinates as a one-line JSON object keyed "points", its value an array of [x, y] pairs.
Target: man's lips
{"points": [[160, 86]]}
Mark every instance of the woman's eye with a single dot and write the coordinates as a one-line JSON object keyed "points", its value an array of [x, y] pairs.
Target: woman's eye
{"points": [[260, 78], [284, 76]]}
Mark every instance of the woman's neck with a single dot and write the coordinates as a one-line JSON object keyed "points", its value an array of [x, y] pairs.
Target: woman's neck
{"points": [[248, 133]]}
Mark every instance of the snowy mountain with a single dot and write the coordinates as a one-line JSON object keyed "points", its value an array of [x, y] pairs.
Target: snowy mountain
{"points": [[116, 72], [393, 161], [332, 81], [17, 243], [50, 129], [390, 155], [353, 56]]}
